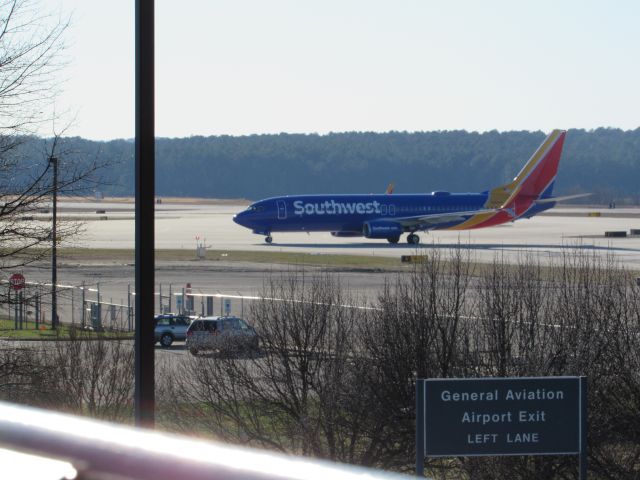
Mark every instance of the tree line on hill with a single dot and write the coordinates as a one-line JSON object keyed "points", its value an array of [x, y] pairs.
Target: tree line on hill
{"points": [[605, 162]]}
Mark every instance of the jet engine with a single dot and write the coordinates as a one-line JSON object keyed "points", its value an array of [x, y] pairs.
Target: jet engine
{"points": [[382, 229]]}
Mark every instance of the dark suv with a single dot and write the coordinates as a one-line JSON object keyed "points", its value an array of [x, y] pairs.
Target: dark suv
{"points": [[225, 334], [171, 327]]}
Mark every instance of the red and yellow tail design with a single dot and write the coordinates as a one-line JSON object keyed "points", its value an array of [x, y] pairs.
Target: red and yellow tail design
{"points": [[515, 198]]}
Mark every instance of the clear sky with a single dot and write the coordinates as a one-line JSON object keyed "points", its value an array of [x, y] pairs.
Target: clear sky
{"points": [[241, 67]]}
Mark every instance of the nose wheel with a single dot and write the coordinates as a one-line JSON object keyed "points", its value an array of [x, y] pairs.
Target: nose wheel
{"points": [[413, 239], [268, 239]]}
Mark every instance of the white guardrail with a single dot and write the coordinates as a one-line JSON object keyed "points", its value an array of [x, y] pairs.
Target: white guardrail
{"points": [[41, 444]]}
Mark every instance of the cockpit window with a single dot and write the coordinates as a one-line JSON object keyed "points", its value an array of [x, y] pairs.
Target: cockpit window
{"points": [[255, 208]]}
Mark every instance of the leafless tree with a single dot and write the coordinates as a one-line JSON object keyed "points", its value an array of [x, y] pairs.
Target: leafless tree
{"points": [[89, 377], [20, 371], [419, 329], [578, 314], [304, 394], [81, 375], [335, 378], [31, 57], [31, 54], [598, 305], [26, 187]]}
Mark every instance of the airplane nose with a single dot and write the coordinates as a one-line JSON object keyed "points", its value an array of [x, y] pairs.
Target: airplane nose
{"points": [[241, 219], [236, 218]]}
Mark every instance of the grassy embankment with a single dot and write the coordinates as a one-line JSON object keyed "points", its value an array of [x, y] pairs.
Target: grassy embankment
{"points": [[45, 332], [330, 261], [288, 258]]}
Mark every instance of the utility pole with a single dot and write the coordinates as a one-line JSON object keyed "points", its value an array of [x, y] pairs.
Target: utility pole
{"points": [[144, 389], [54, 241]]}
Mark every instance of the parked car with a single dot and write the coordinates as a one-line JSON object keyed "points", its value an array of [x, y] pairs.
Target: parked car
{"points": [[226, 334], [170, 327]]}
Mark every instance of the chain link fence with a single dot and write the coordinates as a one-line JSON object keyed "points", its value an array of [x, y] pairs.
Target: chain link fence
{"points": [[84, 306]]}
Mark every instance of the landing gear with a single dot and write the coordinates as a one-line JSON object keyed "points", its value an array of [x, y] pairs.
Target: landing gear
{"points": [[268, 239], [393, 239], [413, 239]]}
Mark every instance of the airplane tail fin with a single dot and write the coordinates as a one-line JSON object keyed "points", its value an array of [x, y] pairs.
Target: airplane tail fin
{"points": [[529, 193], [535, 180]]}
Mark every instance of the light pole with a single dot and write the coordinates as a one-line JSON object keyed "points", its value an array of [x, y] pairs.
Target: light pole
{"points": [[144, 387], [54, 241]]}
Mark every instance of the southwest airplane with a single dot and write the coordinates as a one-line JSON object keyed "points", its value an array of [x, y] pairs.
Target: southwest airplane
{"points": [[388, 216]]}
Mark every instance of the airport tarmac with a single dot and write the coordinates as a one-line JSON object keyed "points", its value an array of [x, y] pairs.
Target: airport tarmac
{"points": [[180, 226]]}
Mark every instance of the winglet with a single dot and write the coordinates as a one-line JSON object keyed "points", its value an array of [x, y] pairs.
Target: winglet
{"points": [[389, 190]]}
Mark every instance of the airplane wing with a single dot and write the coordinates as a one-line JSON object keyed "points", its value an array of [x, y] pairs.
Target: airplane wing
{"points": [[425, 222]]}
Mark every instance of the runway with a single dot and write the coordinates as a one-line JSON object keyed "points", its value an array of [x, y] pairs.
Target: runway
{"points": [[178, 226], [181, 226]]}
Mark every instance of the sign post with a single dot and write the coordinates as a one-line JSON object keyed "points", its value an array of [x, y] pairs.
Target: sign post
{"points": [[179, 303], [501, 416], [420, 432], [583, 429], [17, 283]]}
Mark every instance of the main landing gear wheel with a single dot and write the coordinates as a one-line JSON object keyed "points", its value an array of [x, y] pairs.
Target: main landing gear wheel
{"points": [[268, 239], [393, 239], [413, 239]]}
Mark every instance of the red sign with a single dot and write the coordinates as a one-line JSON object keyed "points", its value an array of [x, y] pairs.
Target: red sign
{"points": [[16, 281]]}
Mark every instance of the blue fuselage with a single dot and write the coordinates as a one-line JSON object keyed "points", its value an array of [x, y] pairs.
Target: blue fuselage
{"points": [[348, 213], [389, 216]]}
